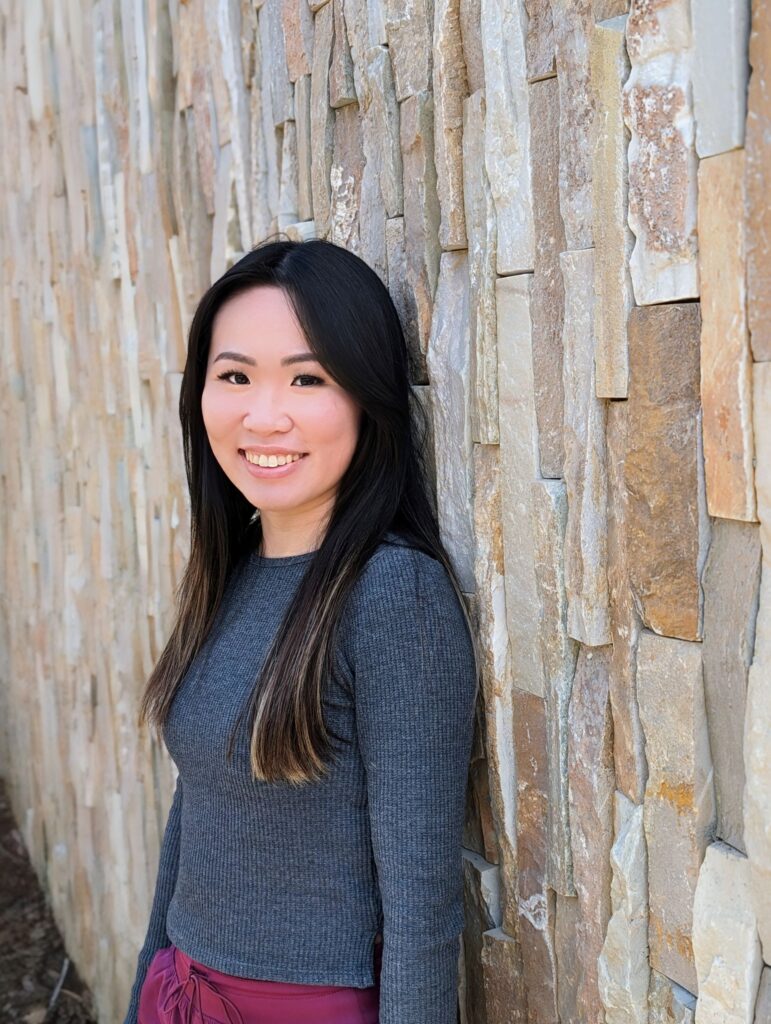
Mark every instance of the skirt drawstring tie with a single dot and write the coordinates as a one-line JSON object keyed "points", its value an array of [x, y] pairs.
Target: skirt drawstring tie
{"points": [[197, 979]]}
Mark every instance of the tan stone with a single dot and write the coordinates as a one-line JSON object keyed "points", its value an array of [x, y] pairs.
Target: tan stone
{"points": [[507, 133], [345, 178], [725, 939], [421, 205], [450, 87], [548, 290], [497, 713], [612, 238], [297, 22], [679, 809], [667, 529], [519, 470], [504, 993], [573, 21], [661, 155], [726, 372], [758, 169], [624, 972], [449, 373], [757, 721], [535, 901], [471, 34], [730, 581], [302, 113], [482, 247], [342, 90], [720, 71], [403, 296], [483, 912], [540, 39], [409, 29], [763, 1004], [322, 119], [625, 624], [586, 579], [559, 653], [668, 1002], [582, 920]]}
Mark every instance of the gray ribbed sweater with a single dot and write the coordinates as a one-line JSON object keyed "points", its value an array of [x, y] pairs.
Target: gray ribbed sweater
{"points": [[268, 881]]}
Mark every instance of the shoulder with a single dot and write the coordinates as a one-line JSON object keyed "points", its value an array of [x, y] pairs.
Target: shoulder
{"points": [[398, 573]]}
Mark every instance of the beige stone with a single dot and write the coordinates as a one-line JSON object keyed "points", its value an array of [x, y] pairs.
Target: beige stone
{"points": [[559, 653], [726, 371], [763, 1004], [535, 901], [573, 21], [519, 469], [302, 113], [540, 39], [409, 30], [624, 972], [757, 721], [725, 939], [499, 767], [450, 86], [421, 205], [342, 90], [679, 810], [471, 34], [613, 240], [668, 1002], [667, 530], [720, 71], [548, 289], [449, 373], [586, 580], [581, 921], [482, 247], [661, 155], [731, 583], [297, 22], [345, 178], [507, 133], [482, 910], [758, 169], [322, 119]]}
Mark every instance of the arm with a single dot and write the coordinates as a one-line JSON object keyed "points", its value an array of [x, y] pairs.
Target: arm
{"points": [[415, 693], [156, 936]]}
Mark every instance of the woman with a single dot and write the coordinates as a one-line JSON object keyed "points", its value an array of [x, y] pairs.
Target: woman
{"points": [[317, 693]]}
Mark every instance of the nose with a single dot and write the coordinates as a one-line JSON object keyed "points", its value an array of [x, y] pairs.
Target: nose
{"points": [[265, 413]]}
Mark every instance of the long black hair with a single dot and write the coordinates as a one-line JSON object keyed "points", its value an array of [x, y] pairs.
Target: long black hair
{"points": [[353, 329]]}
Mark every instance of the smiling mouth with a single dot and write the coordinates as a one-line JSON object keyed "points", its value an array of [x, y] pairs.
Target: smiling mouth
{"points": [[270, 461]]}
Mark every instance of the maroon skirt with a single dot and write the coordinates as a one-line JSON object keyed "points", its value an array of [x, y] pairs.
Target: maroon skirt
{"points": [[179, 990]]}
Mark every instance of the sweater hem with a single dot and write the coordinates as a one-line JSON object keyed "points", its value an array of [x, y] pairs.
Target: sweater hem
{"points": [[262, 971]]}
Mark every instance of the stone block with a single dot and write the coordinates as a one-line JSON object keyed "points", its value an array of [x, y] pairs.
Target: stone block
{"points": [[559, 653], [668, 1002], [548, 289], [519, 469], [679, 811], [612, 238], [731, 582], [661, 156], [507, 133], [535, 901], [586, 579], [726, 373], [482, 239], [726, 947], [450, 85], [667, 526], [540, 40], [409, 31], [757, 720], [624, 972], [573, 22], [505, 1000], [720, 72], [581, 921], [449, 372], [421, 205], [322, 119], [763, 1004], [758, 168]]}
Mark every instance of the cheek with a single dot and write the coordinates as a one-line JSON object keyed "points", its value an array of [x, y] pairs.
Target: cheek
{"points": [[215, 413]]}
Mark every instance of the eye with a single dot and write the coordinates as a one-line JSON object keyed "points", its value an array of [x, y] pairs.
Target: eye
{"points": [[308, 376], [227, 374]]}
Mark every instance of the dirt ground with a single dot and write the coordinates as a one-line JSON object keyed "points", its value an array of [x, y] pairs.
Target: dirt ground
{"points": [[38, 983]]}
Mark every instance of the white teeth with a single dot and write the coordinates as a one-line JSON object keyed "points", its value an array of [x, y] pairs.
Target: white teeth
{"points": [[270, 460]]}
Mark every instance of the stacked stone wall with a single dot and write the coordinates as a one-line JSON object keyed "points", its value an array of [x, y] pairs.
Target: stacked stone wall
{"points": [[569, 201]]}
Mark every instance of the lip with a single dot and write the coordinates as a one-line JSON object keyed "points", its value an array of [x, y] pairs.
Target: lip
{"points": [[272, 472]]}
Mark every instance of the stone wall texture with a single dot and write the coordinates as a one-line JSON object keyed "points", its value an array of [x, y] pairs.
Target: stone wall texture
{"points": [[569, 201]]}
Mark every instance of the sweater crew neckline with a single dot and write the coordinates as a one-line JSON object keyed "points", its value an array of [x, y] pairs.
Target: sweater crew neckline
{"points": [[280, 560]]}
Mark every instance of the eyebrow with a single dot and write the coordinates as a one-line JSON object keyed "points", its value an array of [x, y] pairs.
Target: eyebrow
{"points": [[238, 357]]}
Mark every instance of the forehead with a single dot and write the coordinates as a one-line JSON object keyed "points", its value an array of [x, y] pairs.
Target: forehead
{"points": [[259, 318]]}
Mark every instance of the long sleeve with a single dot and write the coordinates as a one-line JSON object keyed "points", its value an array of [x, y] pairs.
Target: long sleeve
{"points": [[156, 936], [415, 690]]}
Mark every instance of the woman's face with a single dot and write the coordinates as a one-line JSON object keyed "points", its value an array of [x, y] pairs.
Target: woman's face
{"points": [[254, 399]]}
